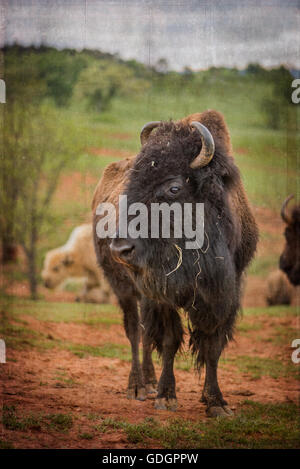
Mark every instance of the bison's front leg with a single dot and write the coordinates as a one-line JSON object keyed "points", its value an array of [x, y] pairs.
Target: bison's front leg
{"points": [[166, 333], [148, 367], [136, 387], [166, 395]]}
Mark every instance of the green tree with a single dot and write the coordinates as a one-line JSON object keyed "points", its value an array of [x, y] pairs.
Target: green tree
{"points": [[60, 70], [103, 80], [24, 89], [34, 154], [278, 106]]}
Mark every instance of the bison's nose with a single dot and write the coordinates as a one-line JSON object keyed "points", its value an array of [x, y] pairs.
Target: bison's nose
{"points": [[122, 247]]}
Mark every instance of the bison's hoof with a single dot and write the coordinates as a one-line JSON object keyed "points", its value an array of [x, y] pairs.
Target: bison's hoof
{"points": [[151, 388], [137, 393], [219, 411], [162, 403]]}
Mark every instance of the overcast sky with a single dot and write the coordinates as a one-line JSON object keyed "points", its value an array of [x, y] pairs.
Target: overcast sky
{"points": [[193, 33]]}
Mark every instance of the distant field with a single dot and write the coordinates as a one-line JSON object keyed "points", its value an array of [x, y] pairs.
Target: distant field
{"points": [[268, 169], [263, 155]]}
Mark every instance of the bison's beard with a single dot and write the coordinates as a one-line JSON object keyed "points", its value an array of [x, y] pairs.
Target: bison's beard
{"points": [[182, 278]]}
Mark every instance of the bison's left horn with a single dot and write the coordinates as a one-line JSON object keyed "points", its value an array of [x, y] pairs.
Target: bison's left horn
{"points": [[284, 215], [208, 146], [147, 129]]}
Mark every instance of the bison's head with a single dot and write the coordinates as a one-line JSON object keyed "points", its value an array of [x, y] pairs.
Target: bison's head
{"points": [[58, 266], [185, 162], [290, 258]]}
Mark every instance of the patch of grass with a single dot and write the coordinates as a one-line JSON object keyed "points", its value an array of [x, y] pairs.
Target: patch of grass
{"points": [[6, 445], [18, 338], [283, 335], [86, 436], [266, 158], [108, 424], [62, 378], [11, 421], [245, 326], [263, 366], [271, 311], [108, 350], [256, 426], [60, 422], [93, 417], [82, 313], [64, 381]]}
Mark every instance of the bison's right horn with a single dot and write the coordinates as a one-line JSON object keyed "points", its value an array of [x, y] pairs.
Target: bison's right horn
{"points": [[208, 146], [284, 215], [147, 129]]}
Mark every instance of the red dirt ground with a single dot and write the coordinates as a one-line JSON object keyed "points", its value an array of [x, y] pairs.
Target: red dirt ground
{"points": [[99, 386]]}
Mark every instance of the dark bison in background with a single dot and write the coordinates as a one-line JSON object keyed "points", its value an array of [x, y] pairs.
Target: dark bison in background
{"points": [[185, 161], [290, 258], [279, 290]]}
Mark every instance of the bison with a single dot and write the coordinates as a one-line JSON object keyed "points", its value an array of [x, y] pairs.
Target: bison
{"points": [[279, 290], [289, 261], [76, 259], [185, 161]]}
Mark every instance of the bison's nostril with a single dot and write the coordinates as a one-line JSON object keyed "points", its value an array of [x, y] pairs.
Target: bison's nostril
{"points": [[121, 247]]}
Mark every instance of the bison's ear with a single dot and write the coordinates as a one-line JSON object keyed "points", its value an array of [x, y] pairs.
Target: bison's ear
{"points": [[67, 261], [215, 123]]}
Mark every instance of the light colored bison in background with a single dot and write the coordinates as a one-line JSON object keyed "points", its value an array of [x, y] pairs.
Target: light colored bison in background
{"points": [[77, 259]]}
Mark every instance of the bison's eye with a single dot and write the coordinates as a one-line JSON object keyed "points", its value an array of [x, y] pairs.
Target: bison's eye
{"points": [[174, 189]]}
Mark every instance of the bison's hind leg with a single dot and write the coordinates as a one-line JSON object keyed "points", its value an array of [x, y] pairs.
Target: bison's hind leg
{"points": [[148, 367]]}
